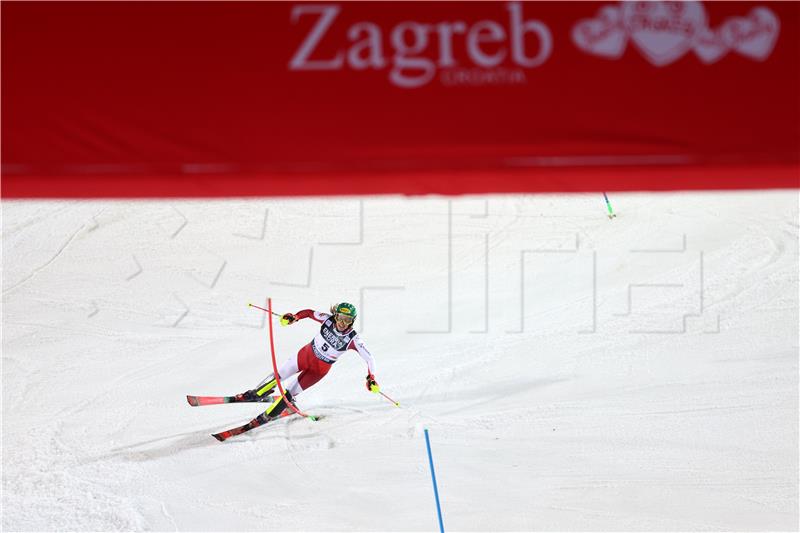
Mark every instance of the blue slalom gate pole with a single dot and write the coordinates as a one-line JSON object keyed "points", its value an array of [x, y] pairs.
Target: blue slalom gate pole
{"points": [[433, 477]]}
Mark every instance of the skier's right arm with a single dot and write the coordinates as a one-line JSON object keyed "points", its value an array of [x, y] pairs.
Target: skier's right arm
{"points": [[290, 318]]}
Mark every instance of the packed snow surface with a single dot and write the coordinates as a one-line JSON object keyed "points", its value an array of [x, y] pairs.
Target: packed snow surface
{"points": [[574, 372]]}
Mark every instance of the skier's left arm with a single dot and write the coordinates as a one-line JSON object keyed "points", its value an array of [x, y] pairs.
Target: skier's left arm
{"points": [[289, 318], [358, 345]]}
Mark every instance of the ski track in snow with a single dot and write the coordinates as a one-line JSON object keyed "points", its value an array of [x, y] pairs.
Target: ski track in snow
{"points": [[673, 405], [48, 263]]}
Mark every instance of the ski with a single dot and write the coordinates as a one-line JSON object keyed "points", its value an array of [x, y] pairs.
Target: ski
{"points": [[228, 433], [197, 401], [254, 423]]}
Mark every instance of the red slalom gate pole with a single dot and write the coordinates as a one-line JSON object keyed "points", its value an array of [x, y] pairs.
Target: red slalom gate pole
{"points": [[275, 363]]}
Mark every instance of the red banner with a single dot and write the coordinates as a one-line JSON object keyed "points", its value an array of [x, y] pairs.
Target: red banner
{"points": [[129, 99]]}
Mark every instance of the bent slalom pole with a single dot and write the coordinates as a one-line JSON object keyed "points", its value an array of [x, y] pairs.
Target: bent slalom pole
{"points": [[275, 365]]}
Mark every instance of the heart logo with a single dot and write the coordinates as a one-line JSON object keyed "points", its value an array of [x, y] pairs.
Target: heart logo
{"points": [[753, 36], [710, 46], [663, 31], [603, 35]]}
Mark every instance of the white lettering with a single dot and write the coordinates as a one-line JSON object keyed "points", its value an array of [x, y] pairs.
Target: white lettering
{"points": [[371, 43], [328, 14], [488, 47], [518, 31], [419, 33], [446, 31], [476, 36]]}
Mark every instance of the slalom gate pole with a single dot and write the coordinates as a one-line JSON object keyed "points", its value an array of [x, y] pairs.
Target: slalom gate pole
{"points": [[275, 364], [608, 205], [433, 477]]}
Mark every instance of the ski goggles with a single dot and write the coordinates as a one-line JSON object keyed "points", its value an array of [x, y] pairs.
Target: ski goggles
{"points": [[344, 319]]}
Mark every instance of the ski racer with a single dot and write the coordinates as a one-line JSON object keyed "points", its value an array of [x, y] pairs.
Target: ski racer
{"points": [[336, 335]]}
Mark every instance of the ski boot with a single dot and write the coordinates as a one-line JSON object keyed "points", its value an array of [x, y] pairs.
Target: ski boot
{"points": [[260, 394], [247, 396], [274, 411]]}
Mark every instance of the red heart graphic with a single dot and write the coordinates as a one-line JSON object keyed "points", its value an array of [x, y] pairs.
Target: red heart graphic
{"points": [[603, 35], [753, 36], [663, 31]]}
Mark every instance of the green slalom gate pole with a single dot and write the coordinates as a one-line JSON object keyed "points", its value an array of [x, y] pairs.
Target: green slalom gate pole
{"points": [[611, 213]]}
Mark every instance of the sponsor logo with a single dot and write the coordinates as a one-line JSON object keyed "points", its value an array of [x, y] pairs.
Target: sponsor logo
{"points": [[336, 341], [488, 51], [664, 32]]}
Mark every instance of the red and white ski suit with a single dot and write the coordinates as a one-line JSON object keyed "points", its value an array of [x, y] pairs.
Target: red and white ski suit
{"points": [[315, 359]]}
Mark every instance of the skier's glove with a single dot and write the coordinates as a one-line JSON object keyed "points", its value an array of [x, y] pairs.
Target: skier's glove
{"points": [[372, 385], [288, 319]]}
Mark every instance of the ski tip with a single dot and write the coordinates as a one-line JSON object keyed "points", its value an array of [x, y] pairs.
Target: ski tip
{"points": [[219, 436], [192, 400]]}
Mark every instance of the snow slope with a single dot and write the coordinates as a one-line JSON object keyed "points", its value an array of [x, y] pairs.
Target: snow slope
{"points": [[574, 372]]}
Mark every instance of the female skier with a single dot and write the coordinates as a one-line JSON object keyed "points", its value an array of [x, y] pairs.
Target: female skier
{"points": [[314, 360]]}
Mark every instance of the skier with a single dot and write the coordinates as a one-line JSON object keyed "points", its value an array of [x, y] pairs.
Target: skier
{"points": [[314, 360]]}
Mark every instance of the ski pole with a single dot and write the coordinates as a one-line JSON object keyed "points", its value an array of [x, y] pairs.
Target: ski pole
{"points": [[608, 204], [397, 404], [265, 310]]}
